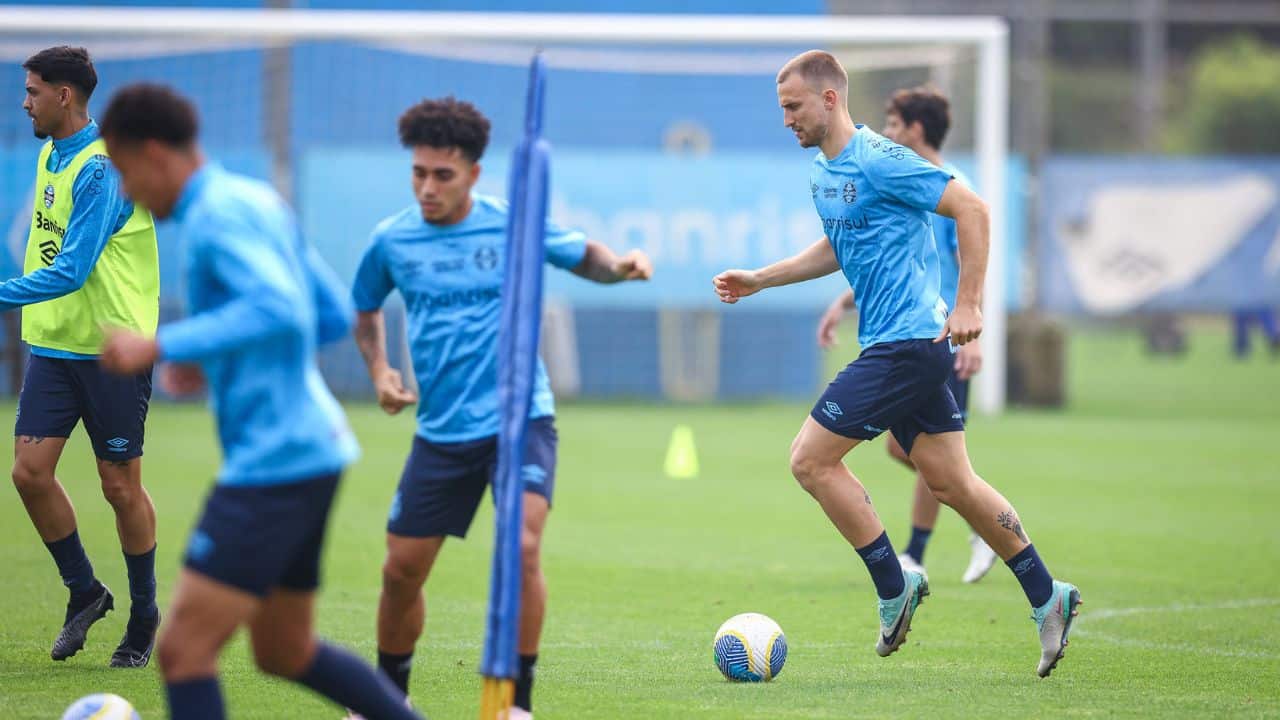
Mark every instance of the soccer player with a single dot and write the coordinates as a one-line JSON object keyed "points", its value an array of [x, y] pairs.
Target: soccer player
{"points": [[444, 253], [91, 261], [875, 197], [260, 301], [919, 119]]}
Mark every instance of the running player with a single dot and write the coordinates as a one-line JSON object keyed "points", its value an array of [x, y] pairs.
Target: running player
{"points": [[918, 119], [444, 253], [875, 198], [261, 301]]}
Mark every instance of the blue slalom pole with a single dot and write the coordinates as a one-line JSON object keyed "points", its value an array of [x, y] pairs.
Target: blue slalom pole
{"points": [[517, 361]]}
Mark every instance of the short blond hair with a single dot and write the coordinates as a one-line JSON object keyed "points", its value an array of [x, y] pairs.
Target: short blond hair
{"points": [[819, 68]]}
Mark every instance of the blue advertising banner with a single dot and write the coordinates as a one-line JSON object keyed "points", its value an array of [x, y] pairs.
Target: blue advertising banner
{"points": [[1159, 234]]}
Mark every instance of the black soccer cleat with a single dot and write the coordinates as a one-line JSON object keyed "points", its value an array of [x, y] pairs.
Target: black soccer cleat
{"points": [[134, 650], [79, 619]]}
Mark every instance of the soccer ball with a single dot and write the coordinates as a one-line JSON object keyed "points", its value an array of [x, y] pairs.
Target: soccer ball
{"points": [[750, 648], [103, 706]]}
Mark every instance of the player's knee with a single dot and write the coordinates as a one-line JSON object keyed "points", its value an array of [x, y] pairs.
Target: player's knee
{"points": [[119, 492], [946, 484], [806, 469], [281, 658], [29, 480], [404, 571], [530, 552], [179, 655]]}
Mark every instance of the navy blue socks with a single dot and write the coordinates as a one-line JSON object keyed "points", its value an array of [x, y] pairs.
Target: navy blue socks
{"points": [[142, 585], [919, 538], [73, 564], [199, 699], [1034, 577], [883, 565], [349, 681]]}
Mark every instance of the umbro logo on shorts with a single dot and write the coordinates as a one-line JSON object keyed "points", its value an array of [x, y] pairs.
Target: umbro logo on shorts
{"points": [[833, 409], [117, 444]]}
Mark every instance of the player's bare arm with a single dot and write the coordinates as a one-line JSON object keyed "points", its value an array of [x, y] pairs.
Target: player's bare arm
{"points": [[973, 232], [371, 338], [602, 265], [831, 320], [817, 260]]}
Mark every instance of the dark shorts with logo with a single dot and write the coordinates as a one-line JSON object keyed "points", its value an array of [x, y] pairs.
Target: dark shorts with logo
{"points": [[260, 537], [442, 483], [57, 393], [897, 386]]}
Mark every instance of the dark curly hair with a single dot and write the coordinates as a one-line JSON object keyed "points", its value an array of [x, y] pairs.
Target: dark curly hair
{"points": [[146, 111], [926, 106], [446, 123]]}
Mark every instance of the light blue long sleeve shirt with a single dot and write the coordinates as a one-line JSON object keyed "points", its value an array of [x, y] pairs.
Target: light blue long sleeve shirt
{"points": [[261, 301]]}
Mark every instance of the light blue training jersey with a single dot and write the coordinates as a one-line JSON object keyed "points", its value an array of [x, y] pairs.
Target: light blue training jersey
{"points": [[260, 301], [876, 201], [450, 277]]}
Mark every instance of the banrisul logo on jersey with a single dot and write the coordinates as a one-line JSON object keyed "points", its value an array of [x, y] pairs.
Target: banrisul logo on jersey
{"points": [[48, 195]]}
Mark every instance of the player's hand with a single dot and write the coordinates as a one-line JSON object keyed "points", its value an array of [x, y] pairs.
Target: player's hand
{"points": [[180, 379], [828, 324], [733, 285], [969, 360], [393, 396], [127, 353], [963, 325], [635, 265]]}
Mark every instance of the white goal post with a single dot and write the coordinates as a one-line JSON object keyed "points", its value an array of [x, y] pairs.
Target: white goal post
{"points": [[988, 36]]}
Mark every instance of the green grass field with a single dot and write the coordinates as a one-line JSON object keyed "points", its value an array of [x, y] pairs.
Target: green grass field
{"points": [[1157, 492]]}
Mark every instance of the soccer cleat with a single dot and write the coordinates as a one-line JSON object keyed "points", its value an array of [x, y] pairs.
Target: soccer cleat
{"points": [[981, 559], [1053, 621], [519, 713], [909, 564], [76, 626], [134, 650], [895, 614]]}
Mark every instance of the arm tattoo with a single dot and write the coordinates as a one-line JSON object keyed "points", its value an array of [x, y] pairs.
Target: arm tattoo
{"points": [[1009, 521]]}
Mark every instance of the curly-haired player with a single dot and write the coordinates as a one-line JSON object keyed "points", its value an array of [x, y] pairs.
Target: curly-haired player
{"points": [[445, 254]]}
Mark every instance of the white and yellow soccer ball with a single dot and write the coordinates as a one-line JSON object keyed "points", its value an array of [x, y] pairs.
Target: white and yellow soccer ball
{"points": [[103, 706], [750, 648]]}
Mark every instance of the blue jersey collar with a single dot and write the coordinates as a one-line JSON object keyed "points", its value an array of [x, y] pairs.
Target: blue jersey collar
{"points": [[194, 187], [72, 144]]}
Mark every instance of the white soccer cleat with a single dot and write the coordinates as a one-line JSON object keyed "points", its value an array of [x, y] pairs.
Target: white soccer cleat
{"points": [[981, 559], [909, 564], [518, 713], [1053, 622]]}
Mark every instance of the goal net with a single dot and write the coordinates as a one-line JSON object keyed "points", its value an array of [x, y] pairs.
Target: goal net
{"points": [[666, 134]]}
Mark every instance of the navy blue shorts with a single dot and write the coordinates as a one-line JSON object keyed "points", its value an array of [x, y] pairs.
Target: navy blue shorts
{"points": [[960, 391], [260, 537], [58, 393], [897, 386], [442, 483]]}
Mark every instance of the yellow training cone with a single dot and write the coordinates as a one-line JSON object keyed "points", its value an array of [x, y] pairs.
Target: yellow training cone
{"points": [[682, 455]]}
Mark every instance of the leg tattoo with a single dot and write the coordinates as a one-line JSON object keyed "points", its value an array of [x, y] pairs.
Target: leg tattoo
{"points": [[1009, 521]]}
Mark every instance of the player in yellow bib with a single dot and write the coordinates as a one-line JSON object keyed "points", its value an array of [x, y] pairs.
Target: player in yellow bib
{"points": [[91, 263]]}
